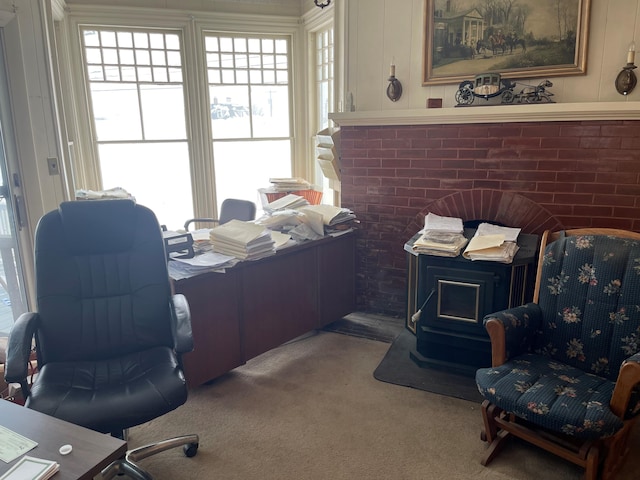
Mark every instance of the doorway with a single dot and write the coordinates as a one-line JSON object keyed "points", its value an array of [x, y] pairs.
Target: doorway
{"points": [[12, 291]]}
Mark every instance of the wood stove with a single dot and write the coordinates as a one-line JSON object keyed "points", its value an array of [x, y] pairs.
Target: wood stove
{"points": [[455, 294]]}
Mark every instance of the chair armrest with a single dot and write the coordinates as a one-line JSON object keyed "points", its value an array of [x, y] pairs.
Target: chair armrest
{"points": [[192, 220], [16, 369], [181, 318], [626, 384], [511, 331]]}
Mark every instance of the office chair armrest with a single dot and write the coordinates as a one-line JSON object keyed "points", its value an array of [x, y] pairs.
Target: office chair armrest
{"points": [[16, 369], [181, 317], [512, 331], [190, 221], [627, 387]]}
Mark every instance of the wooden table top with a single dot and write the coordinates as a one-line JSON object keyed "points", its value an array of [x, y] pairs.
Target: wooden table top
{"points": [[92, 451]]}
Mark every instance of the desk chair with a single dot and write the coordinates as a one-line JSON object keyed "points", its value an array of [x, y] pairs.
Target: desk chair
{"points": [[108, 333], [231, 209]]}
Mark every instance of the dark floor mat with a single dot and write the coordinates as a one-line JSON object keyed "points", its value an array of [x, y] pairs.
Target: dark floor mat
{"points": [[398, 368], [374, 327]]}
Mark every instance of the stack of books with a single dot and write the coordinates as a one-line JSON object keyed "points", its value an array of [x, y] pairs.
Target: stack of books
{"points": [[289, 184], [243, 240], [441, 236], [493, 243]]}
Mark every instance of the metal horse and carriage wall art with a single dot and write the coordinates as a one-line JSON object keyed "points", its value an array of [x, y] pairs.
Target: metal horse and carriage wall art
{"points": [[508, 39], [492, 85]]}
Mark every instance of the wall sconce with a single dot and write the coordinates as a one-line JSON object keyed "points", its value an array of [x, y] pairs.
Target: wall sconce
{"points": [[322, 5], [394, 89], [626, 79]]}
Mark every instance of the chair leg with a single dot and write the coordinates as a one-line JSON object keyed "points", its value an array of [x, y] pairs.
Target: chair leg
{"points": [[495, 448], [496, 438], [490, 427], [128, 466], [592, 463]]}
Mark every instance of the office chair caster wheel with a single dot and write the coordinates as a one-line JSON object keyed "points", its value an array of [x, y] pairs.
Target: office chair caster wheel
{"points": [[190, 449]]}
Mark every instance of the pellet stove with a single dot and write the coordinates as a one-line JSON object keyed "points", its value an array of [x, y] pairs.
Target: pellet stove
{"points": [[455, 294]]}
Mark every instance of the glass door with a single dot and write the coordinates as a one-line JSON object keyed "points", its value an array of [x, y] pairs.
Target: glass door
{"points": [[12, 292]]}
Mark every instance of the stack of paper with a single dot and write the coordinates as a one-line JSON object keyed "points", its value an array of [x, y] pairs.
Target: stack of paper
{"points": [[493, 243], [331, 216], [180, 268], [289, 184], [32, 468], [441, 236], [286, 202], [243, 240], [443, 245], [436, 223]]}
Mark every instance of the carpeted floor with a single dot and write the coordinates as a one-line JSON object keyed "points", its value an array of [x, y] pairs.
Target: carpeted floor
{"points": [[311, 409]]}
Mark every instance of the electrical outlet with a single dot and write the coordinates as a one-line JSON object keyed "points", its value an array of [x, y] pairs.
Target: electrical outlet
{"points": [[52, 163]]}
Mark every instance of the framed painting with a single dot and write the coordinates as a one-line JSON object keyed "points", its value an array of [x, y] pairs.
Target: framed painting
{"points": [[516, 38]]}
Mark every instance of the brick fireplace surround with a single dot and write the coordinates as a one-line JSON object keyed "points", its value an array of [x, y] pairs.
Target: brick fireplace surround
{"points": [[535, 175]]}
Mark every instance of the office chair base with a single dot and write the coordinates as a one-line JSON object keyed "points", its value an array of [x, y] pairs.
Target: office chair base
{"points": [[128, 466]]}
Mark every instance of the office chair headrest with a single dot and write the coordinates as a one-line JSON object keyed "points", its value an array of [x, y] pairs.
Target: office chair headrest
{"points": [[99, 226]]}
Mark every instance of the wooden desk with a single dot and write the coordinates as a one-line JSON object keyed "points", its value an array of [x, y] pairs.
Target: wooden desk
{"points": [[92, 451], [258, 305]]}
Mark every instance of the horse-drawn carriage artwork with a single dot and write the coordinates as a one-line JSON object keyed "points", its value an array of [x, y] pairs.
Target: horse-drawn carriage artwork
{"points": [[492, 85]]}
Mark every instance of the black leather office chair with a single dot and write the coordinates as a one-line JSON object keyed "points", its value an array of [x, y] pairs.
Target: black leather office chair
{"points": [[231, 209], [108, 333]]}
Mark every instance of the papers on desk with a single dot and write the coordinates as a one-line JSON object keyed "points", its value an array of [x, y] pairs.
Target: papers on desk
{"points": [[493, 243], [243, 240], [281, 240], [180, 268], [287, 202], [12, 445], [333, 218], [32, 468]]}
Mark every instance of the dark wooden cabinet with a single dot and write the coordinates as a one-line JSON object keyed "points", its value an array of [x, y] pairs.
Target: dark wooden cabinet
{"points": [[258, 305]]}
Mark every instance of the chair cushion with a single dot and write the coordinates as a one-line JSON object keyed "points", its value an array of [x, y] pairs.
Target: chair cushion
{"points": [[552, 395], [111, 395]]}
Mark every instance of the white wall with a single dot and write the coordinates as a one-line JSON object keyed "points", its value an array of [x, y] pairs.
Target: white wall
{"points": [[381, 30]]}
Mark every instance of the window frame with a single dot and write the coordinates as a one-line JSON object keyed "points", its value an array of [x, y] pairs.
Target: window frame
{"points": [[316, 21], [192, 27]]}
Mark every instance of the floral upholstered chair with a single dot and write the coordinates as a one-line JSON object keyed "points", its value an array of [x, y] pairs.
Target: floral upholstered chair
{"points": [[565, 369]]}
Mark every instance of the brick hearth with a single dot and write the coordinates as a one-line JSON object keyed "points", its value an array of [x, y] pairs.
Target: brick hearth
{"points": [[531, 175]]}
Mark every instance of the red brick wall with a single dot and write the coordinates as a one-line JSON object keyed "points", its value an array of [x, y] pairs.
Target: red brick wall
{"points": [[584, 174]]}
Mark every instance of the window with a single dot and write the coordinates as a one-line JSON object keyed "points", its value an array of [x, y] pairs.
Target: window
{"points": [[324, 76], [135, 81], [324, 94], [249, 98]]}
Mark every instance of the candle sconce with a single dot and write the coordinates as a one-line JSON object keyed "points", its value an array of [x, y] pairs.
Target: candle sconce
{"points": [[394, 89], [626, 79]]}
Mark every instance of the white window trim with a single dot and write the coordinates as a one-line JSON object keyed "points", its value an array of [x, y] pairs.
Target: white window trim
{"points": [[193, 26]]}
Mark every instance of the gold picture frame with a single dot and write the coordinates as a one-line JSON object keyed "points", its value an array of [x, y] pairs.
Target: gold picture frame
{"points": [[531, 38]]}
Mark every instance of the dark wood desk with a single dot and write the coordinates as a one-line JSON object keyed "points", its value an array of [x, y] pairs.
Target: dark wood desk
{"points": [[92, 451], [258, 305]]}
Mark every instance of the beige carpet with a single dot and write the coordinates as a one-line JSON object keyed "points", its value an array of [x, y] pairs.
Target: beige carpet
{"points": [[312, 410]]}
